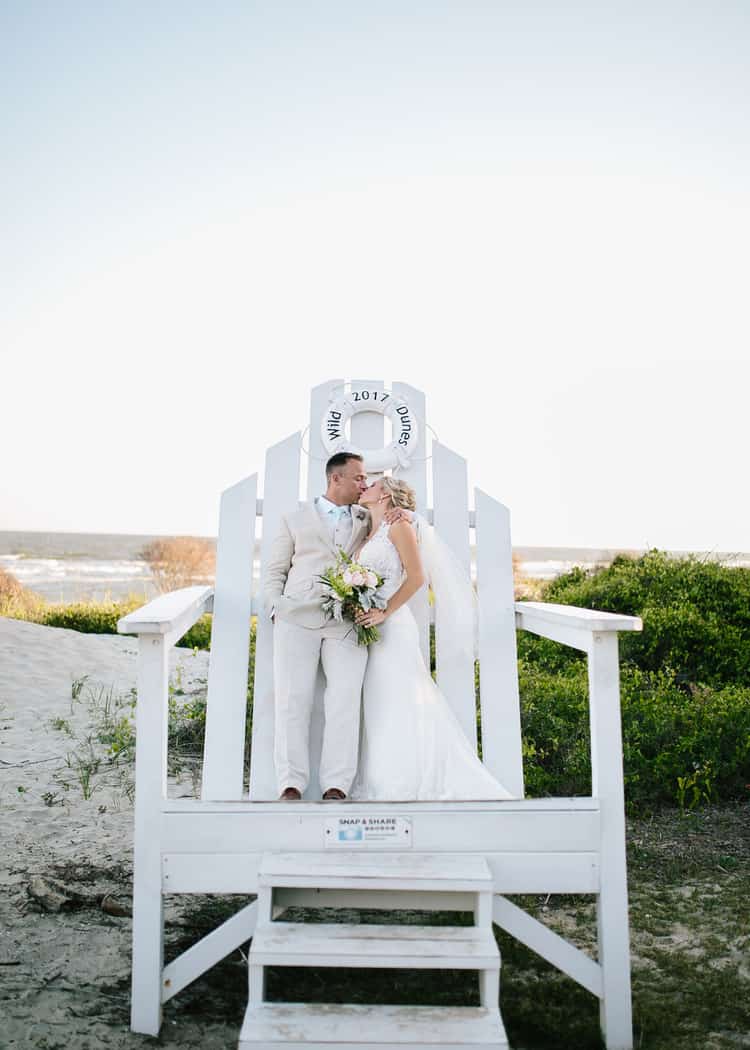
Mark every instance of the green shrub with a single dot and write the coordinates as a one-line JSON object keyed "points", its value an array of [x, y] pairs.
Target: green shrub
{"points": [[696, 615], [555, 731], [669, 735], [102, 618], [199, 635], [88, 617]]}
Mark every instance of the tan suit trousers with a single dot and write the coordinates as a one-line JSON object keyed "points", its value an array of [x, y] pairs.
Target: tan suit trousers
{"points": [[297, 651]]}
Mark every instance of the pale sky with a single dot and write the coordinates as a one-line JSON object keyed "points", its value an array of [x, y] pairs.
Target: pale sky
{"points": [[538, 213]]}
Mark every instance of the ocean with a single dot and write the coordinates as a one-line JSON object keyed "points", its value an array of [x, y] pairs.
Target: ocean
{"points": [[77, 566], [81, 566]]}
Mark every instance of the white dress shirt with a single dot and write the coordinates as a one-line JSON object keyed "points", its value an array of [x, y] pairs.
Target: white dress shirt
{"points": [[338, 520]]}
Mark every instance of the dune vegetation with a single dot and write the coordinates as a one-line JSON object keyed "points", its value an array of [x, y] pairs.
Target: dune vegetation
{"points": [[685, 680]]}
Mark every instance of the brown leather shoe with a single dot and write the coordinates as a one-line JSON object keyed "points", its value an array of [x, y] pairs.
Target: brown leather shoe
{"points": [[290, 795], [334, 795]]}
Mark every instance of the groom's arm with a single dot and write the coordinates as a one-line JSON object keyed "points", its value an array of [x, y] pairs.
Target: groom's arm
{"points": [[277, 570]]}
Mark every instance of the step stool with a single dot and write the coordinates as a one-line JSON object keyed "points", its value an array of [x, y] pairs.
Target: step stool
{"points": [[326, 1025]]}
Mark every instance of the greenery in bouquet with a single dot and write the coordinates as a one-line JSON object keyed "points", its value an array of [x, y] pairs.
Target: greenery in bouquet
{"points": [[352, 587]]}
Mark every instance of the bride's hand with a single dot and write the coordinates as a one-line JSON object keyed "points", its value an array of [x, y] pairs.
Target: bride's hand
{"points": [[397, 514], [371, 618]]}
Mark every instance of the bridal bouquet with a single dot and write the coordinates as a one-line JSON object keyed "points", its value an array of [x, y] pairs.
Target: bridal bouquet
{"points": [[352, 587]]}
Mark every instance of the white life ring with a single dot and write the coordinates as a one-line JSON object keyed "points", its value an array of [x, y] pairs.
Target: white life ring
{"points": [[405, 428]]}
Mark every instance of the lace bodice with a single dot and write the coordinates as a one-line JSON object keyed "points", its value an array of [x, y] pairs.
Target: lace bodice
{"points": [[381, 555]]}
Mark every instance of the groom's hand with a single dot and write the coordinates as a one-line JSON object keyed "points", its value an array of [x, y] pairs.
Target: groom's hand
{"points": [[398, 514]]}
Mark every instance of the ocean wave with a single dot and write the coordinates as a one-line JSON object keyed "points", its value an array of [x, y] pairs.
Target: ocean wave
{"points": [[550, 570], [39, 570]]}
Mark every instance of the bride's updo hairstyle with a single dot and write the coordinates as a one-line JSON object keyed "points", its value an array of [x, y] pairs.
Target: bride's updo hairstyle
{"points": [[402, 495]]}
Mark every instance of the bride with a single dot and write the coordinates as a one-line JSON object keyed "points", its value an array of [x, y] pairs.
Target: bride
{"points": [[412, 744]]}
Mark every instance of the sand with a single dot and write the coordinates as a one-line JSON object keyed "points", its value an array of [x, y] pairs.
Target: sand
{"points": [[66, 863]]}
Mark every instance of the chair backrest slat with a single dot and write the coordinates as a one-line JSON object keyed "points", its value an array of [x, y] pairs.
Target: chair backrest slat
{"points": [[498, 677], [501, 731], [368, 428], [454, 641], [316, 467], [280, 496], [230, 638], [416, 476]]}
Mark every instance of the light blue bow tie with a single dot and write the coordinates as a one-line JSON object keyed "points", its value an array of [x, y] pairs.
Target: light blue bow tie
{"points": [[339, 512]]}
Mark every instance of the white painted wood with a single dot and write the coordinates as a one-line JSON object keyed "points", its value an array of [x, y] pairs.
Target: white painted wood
{"points": [[548, 944], [545, 872], [385, 866], [280, 496], [498, 665], [256, 973], [190, 872], [368, 428], [353, 1027], [451, 495], [226, 708], [527, 871], [367, 946], [400, 871], [209, 950], [572, 803], [150, 789], [517, 831], [318, 456], [454, 641], [571, 616], [607, 783], [482, 908], [416, 476], [170, 615], [256, 983], [575, 637], [489, 987], [265, 903]]}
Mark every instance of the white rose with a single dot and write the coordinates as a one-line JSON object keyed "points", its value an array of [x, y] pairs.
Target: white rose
{"points": [[372, 580], [348, 578], [357, 579]]}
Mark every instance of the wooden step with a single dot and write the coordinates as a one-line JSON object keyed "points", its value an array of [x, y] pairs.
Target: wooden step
{"points": [[377, 946], [323, 1026], [376, 871]]}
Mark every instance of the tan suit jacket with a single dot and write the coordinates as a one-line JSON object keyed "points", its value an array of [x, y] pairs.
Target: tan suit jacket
{"points": [[302, 550]]}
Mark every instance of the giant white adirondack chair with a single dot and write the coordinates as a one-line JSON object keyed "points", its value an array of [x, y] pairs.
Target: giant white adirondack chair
{"points": [[452, 855]]}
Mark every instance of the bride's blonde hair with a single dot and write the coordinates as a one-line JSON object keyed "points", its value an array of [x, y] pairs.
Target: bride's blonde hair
{"points": [[402, 495]]}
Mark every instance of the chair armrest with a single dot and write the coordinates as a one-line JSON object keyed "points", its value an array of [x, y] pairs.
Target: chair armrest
{"points": [[170, 614], [570, 625], [571, 616]]}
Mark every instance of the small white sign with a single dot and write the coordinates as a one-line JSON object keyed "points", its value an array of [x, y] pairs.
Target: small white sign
{"points": [[375, 832]]}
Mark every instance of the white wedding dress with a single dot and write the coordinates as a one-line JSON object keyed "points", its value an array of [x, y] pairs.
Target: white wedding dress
{"points": [[412, 744]]}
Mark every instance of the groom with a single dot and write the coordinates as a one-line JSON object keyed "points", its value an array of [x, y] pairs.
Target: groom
{"points": [[307, 543]]}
